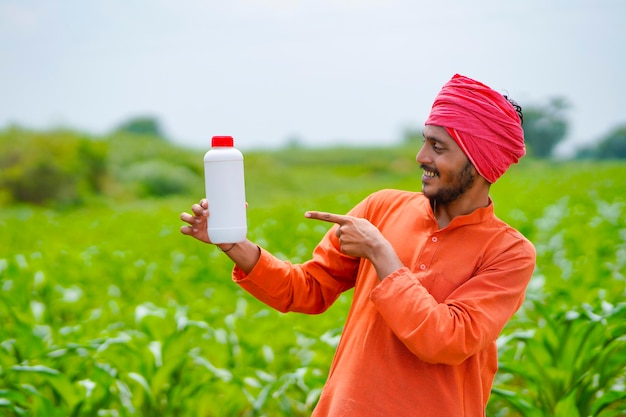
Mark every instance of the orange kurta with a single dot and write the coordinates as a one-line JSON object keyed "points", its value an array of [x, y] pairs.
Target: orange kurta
{"points": [[421, 342]]}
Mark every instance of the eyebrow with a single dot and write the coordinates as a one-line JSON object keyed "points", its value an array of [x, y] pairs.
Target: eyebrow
{"points": [[433, 138]]}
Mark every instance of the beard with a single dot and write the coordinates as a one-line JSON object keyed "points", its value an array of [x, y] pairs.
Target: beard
{"points": [[459, 184]]}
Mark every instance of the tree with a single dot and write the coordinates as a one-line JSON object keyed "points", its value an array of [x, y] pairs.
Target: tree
{"points": [[545, 126], [143, 125], [612, 146]]}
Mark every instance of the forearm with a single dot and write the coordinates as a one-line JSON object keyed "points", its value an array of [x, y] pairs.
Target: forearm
{"points": [[244, 254], [435, 332], [305, 288], [450, 331], [385, 260]]}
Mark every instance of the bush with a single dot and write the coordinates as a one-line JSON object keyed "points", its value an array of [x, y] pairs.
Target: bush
{"points": [[59, 166], [65, 168], [155, 178]]}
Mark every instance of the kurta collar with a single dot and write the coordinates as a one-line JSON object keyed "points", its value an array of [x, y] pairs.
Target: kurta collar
{"points": [[479, 215]]}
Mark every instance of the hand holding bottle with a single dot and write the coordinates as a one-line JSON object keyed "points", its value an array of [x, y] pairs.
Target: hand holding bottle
{"points": [[197, 221]]}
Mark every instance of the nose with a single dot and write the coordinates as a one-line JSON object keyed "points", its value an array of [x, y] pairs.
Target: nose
{"points": [[422, 157]]}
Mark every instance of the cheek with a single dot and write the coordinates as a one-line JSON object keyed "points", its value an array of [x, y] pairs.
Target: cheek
{"points": [[448, 174]]}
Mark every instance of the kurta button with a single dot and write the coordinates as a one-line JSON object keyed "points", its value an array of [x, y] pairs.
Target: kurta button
{"points": [[422, 267], [434, 239]]}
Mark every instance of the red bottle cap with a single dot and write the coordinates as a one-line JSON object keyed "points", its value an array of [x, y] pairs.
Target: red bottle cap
{"points": [[222, 141]]}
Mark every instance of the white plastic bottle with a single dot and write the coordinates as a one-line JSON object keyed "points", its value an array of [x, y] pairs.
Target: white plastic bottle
{"points": [[225, 191]]}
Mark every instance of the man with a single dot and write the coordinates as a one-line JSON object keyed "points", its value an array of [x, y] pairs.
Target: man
{"points": [[436, 275]]}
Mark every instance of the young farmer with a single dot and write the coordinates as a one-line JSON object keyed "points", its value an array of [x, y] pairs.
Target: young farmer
{"points": [[436, 275]]}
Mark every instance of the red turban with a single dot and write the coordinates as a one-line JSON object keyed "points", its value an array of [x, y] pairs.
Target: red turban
{"points": [[482, 122]]}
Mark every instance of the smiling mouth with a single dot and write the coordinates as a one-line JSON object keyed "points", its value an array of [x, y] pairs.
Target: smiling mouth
{"points": [[429, 174]]}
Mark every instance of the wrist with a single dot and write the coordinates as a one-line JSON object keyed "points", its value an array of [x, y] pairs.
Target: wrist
{"points": [[386, 261], [226, 247]]}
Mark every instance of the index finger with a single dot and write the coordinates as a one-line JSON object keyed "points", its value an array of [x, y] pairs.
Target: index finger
{"points": [[327, 217]]}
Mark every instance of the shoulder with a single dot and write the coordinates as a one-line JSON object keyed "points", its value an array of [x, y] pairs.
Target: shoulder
{"points": [[387, 201], [391, 196], [514, 238]]}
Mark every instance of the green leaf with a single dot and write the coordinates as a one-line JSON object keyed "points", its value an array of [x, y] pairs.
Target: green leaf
{"points": [[566, 407], [38, 369]]}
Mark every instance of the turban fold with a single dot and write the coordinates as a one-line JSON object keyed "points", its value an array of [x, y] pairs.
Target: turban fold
{"points": [[482, 122]]}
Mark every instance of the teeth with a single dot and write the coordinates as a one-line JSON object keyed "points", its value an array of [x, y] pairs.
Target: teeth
{"points": [[430, 174]]}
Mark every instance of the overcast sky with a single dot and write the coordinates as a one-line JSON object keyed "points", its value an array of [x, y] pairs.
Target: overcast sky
{"points": [[321, 71]]}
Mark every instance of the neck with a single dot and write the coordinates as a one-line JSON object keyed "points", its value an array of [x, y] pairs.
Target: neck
{"points": [[472, 199]]}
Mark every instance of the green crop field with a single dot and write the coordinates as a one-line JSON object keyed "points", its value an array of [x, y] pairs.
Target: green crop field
{"points": [[107, 310]]}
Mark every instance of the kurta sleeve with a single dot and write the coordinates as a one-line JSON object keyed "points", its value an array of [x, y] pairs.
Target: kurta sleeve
{"points": [[310, 287], [471, 317]]}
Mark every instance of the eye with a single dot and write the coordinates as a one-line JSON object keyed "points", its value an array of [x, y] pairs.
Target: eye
{"points": [[434, 145]]}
